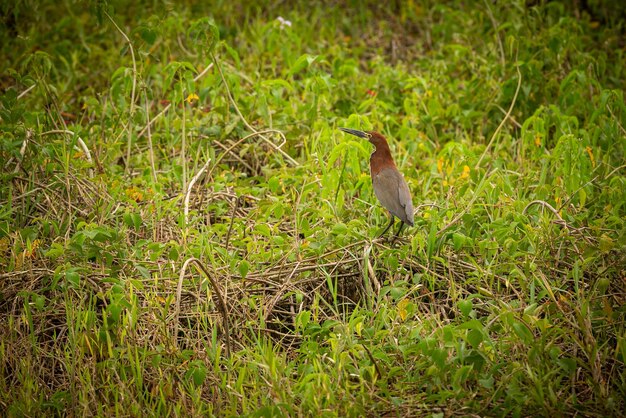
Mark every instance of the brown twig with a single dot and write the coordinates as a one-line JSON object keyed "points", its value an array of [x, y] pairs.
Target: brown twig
{"points": [[245, 122], [221, 303]]}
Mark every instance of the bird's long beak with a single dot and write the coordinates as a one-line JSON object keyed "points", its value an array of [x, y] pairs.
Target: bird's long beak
{"points": [[354, 132]]}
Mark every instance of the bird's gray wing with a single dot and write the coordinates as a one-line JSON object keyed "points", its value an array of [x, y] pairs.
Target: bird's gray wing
{"points": [[393, 192], [406, 201]]}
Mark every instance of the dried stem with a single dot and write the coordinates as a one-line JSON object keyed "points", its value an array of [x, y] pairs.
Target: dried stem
{"points": [[245, 122], [189, 187], [150, 147], [131, 110], [79, 141], [508, 114], [221, 303]]}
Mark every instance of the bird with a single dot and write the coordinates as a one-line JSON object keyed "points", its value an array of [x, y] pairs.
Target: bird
{"points": [[389, 185]]}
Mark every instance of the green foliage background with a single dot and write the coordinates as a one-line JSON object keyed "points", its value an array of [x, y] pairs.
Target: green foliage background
{"points": [[506, 298]]}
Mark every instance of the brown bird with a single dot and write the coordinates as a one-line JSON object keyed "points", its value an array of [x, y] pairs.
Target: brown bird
{"points": [[389, 185]]}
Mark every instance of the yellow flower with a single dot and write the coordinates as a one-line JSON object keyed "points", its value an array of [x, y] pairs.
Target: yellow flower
{"points": [[440, 165], [191, 98], [558, 200], [591, 157], [402, 311], [30, 250], [537, 140], [135, 194], [450, 168], [466, 172]]}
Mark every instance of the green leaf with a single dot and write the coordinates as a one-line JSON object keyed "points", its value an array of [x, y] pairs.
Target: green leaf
{"points": [[522, 331], [197, 372], [465, 306], [474, 337], [458, 240], [244, 267], [145, 273], [340, 228], [273, 183], [262, 229], [72, 278], [56, 250], [204, 34], [146, 33], [303, 62], [277, 83]]}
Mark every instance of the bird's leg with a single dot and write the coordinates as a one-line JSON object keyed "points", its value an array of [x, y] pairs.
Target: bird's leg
{"points": [[398, 233], [388, 226]]}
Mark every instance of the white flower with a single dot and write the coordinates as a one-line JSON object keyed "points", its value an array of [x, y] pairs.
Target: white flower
{"points": [[283, 22]]}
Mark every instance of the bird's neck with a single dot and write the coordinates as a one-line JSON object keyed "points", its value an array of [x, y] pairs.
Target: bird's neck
{"points": [[381, 158]]}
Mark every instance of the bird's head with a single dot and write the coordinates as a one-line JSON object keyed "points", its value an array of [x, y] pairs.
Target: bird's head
{"points": [[373, 137]]}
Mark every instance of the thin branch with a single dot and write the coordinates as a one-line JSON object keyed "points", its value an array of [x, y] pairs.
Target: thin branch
{"points": [[243, 119], [189, 187], [495, 28], [614, 170], [545, 205], [150, 147], [166, 108], [25, 92], [132, 94], [508, 114], [80, 142], [616, 120], [227, 150], [235, 156], [183, 147], [470, 203], [221, 303], [238, 201], [372, 359], [515, 122], [29, 135], [560, 221]]}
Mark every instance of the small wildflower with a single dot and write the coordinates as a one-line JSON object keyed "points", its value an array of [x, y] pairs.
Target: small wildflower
{"points": [[371, 93], [591, 157], [190, 99], [537, 140], [450, 168], [402, 311], [135, 194], [29, 252], [429, 93], [283, 22], [466, 172], [440, 165]]}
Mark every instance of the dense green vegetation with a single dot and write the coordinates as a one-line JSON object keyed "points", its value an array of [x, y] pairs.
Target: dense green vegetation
{"points": [[223, 259]]}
